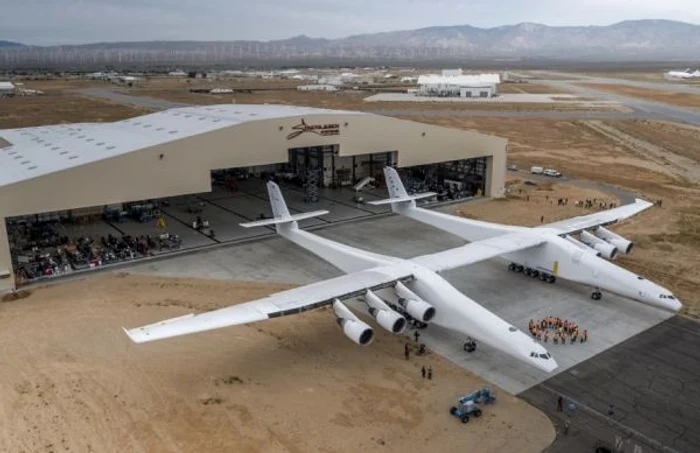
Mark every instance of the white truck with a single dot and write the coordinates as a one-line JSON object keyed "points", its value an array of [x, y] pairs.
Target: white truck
{"points": [[536, 170], [551, 172]]}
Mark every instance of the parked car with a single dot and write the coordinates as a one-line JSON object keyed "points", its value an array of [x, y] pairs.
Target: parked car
{"points": [[536, 170], [513, 167], [551, 172]]}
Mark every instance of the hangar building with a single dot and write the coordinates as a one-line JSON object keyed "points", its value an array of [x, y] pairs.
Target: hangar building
{"points": [[63, 170]]}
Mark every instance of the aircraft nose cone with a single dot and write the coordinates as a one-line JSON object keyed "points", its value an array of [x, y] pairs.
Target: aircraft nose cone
{"points": [[674, 305]]}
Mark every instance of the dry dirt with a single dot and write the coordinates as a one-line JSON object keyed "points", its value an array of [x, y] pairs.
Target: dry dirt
{"points": [[668, 97], [71, 381], [532, 88], [59, 106]]}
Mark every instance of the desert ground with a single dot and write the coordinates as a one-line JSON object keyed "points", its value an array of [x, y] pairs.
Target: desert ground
{"points": [[59, 105], [71, 381], [667, 97]]}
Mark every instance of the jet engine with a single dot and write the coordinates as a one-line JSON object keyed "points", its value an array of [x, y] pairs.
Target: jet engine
{"points": [[356, 330], [609, 251], [414, 305], [615, 239], [582, 246], [385, 316]]}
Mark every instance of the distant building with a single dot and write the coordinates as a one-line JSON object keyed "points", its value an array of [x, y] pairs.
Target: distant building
{"points": [[178, 73], [465, 86], [451, 72], [317, 88], [6, 88]]}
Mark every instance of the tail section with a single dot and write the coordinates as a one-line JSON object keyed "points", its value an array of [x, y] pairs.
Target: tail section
{"points": [[281, 216], [397, 192]]}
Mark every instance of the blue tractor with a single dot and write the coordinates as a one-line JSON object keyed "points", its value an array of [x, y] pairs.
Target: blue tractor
{"points": [[483, 396], [463, 411], [467, 405]]}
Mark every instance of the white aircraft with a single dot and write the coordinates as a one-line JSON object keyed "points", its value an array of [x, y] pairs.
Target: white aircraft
{"points": [[393, 289], [687, 74], [544, 252]]}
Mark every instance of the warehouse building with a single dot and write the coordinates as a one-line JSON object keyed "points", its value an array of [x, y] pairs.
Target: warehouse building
{"points": [[6, 88], [81, 171], [465, 86]]}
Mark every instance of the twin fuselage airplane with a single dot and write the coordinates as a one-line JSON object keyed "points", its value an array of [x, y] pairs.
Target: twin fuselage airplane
{"points": [[396, 290]]}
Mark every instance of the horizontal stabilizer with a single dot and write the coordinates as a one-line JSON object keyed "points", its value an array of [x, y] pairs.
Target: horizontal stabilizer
{"points": [[285, 219], [419, 196]]}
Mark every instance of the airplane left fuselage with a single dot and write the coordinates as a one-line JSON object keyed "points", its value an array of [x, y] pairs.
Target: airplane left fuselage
{"points": [[453, 310]]}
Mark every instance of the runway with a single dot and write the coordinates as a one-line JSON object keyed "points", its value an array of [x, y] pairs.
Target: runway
{"points": [[651, 379]]}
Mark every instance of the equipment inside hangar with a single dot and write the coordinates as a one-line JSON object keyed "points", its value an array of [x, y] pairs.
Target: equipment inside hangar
{"points": [[61, 228]]}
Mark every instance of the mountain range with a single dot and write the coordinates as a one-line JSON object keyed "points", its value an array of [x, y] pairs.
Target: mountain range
{"points": [[630, 41]]}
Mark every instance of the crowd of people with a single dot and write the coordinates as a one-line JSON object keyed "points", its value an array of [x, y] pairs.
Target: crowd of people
{"points": [[558, 330]]}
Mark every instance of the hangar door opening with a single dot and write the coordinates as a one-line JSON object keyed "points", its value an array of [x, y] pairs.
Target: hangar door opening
{"points": [[322, 166], [450, 180]]}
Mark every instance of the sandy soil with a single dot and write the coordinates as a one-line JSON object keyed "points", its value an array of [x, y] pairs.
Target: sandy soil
{"points": [[71, 381], [533, 88], [57, 108], [678, 99], [526, 205]]}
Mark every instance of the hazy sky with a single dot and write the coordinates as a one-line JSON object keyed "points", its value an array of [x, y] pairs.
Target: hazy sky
{"points": [[44, 22]]}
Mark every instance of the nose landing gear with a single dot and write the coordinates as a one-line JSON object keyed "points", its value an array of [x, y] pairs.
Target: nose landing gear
{"points": [[596, 294]]}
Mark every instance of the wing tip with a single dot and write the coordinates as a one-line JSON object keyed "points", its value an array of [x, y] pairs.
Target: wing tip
{"points": [[131, 335]]}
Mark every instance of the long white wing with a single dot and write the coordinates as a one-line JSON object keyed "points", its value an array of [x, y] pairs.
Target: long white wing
{"points": [[478, 251], [580, 223], [294, 301]]}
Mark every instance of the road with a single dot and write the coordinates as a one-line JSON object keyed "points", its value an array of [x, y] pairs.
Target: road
{"points": [[640, 108], [650, 85], [138, 101], [652, 381]]}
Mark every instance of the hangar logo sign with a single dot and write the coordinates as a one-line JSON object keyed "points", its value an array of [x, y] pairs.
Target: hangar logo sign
{"points": [[324, 130]]}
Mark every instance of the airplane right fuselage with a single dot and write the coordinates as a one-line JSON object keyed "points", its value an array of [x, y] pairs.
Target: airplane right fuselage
{"points": [[556, 256], [563, 259]]}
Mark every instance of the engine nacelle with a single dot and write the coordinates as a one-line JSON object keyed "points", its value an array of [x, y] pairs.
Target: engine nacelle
{"points": [[615, 239], [582, 246], [389, 320], [414, 305], [384, 315], [609, 251], [356, 330]]}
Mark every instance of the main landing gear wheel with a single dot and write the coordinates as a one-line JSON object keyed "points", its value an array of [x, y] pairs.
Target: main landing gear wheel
{"points": [[534, 273], [512, 267], [551, 279], [519, 268], [596, 295]]}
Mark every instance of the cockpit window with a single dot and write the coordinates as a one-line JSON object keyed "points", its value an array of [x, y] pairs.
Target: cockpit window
{"points": [[671, 297], [545, 356], [540, 356], [640, 277]]}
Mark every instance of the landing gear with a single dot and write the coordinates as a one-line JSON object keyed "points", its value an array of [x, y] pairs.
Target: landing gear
{"points": [[534, 273], [596, 294], [470, 345]]}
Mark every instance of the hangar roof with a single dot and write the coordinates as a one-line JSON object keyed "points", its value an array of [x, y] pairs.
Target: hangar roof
{"points": [[35, 151]]}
